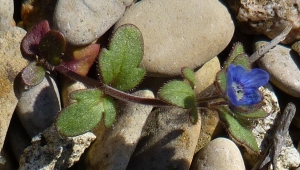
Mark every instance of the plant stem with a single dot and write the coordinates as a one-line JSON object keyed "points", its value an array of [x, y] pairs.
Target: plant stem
{"points": [[109, 90]]}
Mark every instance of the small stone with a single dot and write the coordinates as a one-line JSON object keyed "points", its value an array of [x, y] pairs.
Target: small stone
{"points": [[280, 63], [50, 151], [114, 146], [11, 62], [206, 76], [268, 17], [168, 142], [179, 34], [6, 14], [220, 153], [83, 21], [38, 106]]}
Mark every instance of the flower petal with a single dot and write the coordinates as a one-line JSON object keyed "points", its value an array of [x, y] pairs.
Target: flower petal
{"points": [[255, 78], [251, 96], [236, 72], [231, 93]]}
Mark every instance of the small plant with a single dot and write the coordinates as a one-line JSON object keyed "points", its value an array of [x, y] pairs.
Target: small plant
{"points": [[238, 101]]}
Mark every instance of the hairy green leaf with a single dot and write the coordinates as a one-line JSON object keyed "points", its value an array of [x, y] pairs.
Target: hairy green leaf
{"points": [[33, 74], [86, 113], [238, 131], [242, 60], [221, 81], [119, 64], [237, 50], [178, 93], [189, 75]]}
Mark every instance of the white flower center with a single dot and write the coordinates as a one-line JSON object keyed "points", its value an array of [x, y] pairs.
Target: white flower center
{"points": [[238, 90]]}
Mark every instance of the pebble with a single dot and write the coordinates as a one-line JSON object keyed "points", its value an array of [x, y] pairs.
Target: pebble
{"points": [[114, 146], [6, 14], [168, 141], [84, 21], [179, 34], [280, 63], [54, 152], [11, 62], [220, 153], [38, 106], [267, 17]]}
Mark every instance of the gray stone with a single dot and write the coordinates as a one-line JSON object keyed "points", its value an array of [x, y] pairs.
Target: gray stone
{"points": [[169, 141], [281, 63], [38, 106], [50, 151], [220, 153], [114, 146], [11, 62], [6, 14], [179, 34], [83, 21]]}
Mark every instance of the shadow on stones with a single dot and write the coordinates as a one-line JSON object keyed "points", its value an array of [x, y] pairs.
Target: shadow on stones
{"points": [[157, 156]]}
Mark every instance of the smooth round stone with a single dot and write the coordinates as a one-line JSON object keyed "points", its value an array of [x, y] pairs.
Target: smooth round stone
{"points": [[220, 153], [83, 21], [6, 14], [178, 33], [38, 106], [169, 141], [11, 62], [281, 63]]}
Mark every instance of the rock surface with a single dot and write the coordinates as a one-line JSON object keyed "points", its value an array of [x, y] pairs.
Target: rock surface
{"points": [[283, 66], [268, 17], [84, 21], [168, 142], [6, 14], [38, 106], [54, 152], [11, 62], [179, 34], [114, 146], [220, 153]]}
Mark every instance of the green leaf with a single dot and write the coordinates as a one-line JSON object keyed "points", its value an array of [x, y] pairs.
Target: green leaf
{"points": [[119, 65], [242, 60], [238, 131], [86, 113], [193, 115], [237, 49], [256, 114], [189, 75], [178, 93], [33, 74], [221, 81], [52, 46]]}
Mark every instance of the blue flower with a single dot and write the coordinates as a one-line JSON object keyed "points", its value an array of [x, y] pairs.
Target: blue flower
{"points": [[242, 86]]}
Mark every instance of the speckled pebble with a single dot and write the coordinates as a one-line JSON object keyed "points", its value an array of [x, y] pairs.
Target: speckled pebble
{"points": [[179, 34], [220, 153], [6, 14], [11, 62], [281, 63], [38, 106], [83, 21]]}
